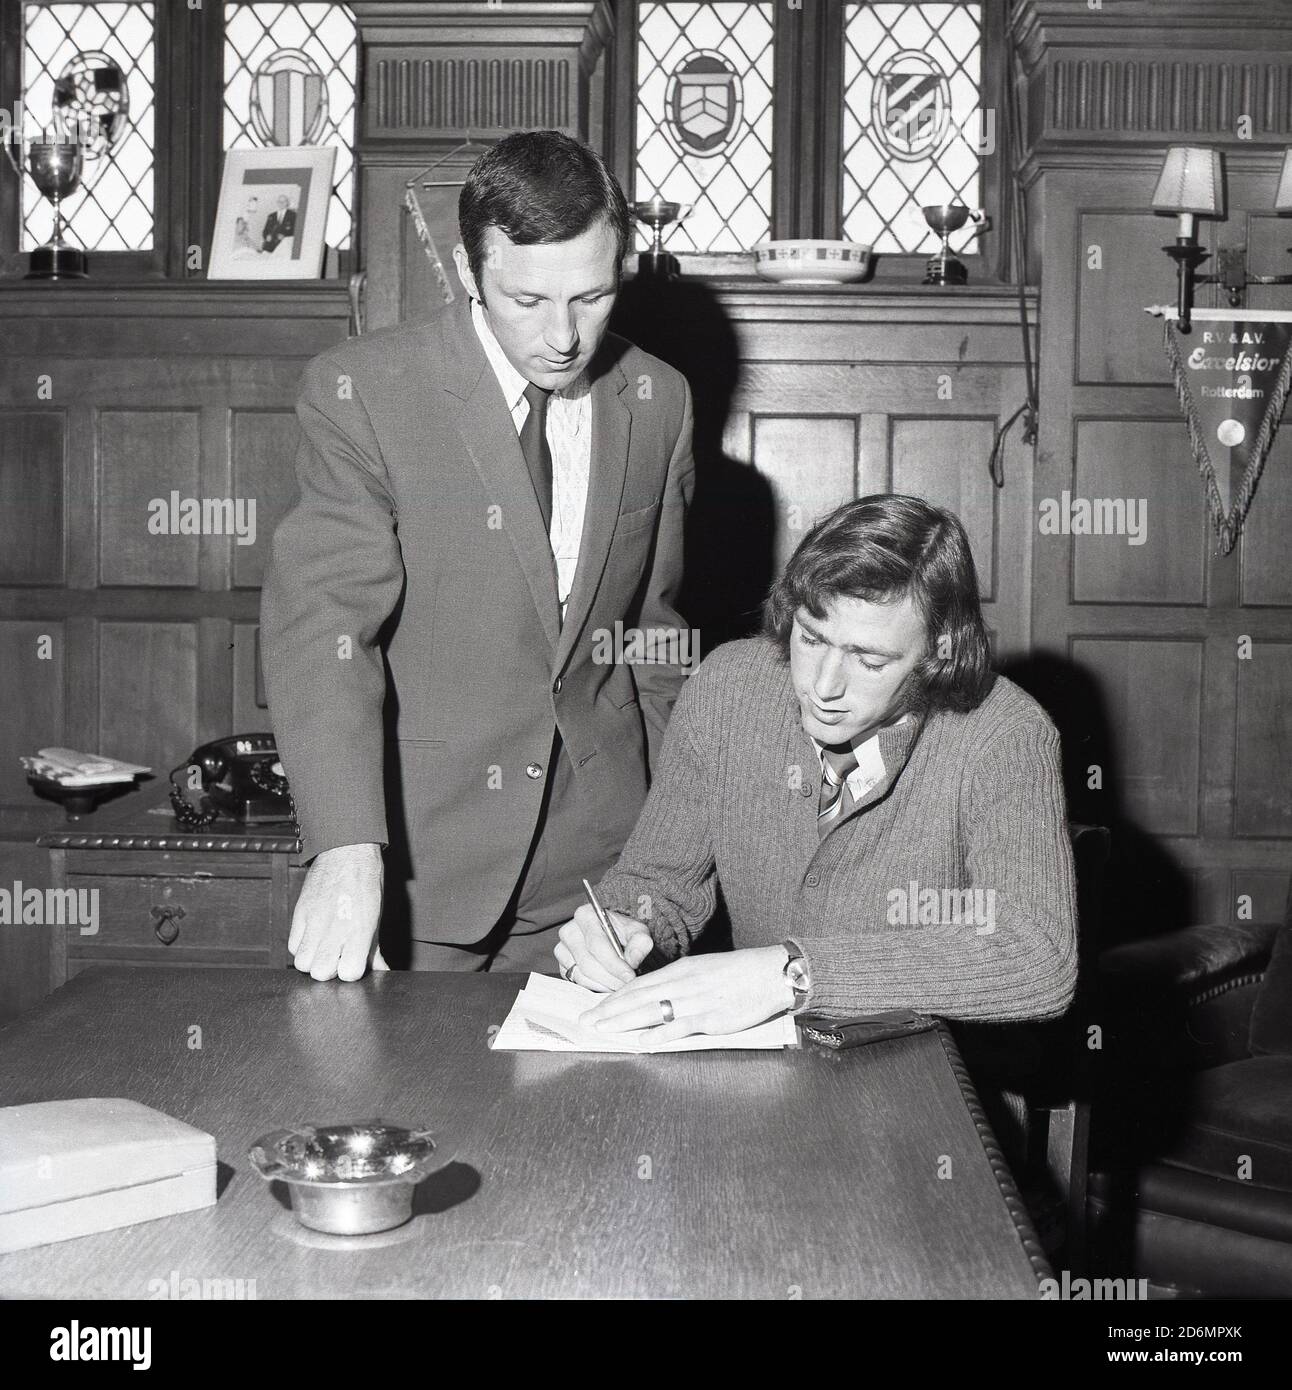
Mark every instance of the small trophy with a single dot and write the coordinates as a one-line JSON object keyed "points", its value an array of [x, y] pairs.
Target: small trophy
{"points": [[56, 170], [657, 214], [55, 166], [945, 218]]}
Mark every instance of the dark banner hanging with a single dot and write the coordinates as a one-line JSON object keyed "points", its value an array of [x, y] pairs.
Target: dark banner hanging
{"points": [[1232, 374]]}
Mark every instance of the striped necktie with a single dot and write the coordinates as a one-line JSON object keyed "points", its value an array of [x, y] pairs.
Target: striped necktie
{"points": [[834, 794], [533, 444]]}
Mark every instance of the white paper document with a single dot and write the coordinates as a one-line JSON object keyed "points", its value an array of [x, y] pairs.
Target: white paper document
{"points": [[544, 1018]]}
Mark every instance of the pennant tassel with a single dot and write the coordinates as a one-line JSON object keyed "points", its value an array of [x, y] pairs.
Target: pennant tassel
{"points": [[428, 242]]}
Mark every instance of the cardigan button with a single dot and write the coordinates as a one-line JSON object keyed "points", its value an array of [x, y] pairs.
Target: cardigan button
{"points": [[807, 789], [812, 880]]}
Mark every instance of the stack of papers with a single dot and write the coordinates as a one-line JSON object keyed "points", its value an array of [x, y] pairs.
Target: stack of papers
{"points": [[544, 1018], [70, 768]]}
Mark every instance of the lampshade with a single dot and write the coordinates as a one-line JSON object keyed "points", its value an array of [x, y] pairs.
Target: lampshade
{"points": [[1192, 180], [1283, 198]]}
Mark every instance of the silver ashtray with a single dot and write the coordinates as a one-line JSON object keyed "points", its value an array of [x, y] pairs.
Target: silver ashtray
{"points": [[347, 1179]]}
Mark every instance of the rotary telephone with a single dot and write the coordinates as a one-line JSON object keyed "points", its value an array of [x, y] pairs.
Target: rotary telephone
{"points": [[239, 777]]}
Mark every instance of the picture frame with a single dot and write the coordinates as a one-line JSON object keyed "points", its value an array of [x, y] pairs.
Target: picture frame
{"points": [[272, 213]]}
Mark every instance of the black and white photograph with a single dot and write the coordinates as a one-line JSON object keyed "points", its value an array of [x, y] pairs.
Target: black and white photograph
{"points": [[272, 212], [645, 656]]}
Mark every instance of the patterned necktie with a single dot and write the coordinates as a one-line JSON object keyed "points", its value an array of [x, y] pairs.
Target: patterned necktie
{"points": [[533, 444], [834, 794]]}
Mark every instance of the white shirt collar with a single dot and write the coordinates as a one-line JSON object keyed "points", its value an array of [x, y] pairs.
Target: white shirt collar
{"points": [[870, 767], [512, 382]]}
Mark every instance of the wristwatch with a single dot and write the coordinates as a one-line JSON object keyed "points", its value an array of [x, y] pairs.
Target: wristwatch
{"points": [[796, 972]]}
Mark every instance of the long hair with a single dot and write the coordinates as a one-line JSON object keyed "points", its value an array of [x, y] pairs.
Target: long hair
{"points": [[538, 186], [881, 549]]}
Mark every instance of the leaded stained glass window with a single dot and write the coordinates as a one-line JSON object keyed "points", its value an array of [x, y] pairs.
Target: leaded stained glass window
{"points": [[914, 130], [289, 79], [89, 68], [704, 119]]}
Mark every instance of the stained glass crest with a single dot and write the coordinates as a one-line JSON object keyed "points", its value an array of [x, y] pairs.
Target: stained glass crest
{"points": [[914, 131], [87, 71], [704, 119]]}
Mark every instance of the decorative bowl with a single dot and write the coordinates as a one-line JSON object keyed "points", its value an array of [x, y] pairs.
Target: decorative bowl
{"points": [[347, 1179], [811, 262]]}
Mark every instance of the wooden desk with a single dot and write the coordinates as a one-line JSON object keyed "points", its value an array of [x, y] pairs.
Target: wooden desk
{"points": [[755, 1175]]}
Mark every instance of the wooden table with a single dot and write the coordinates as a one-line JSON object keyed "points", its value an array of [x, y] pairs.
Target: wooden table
{"points": [[802, 1173]]}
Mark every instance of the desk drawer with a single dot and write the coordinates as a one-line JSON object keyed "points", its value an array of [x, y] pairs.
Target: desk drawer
{"points": [[176, 918]]}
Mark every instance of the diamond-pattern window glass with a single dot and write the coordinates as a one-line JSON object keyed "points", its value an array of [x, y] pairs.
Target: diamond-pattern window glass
{"points": [[704, 119], [913, 125], [89, 69], [289, 79]]}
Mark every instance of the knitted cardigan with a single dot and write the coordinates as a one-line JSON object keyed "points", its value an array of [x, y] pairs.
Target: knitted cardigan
{"points": [[969, 801]]}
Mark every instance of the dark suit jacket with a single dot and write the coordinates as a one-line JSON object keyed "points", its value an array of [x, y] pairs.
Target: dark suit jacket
{"points": [[278, 228], [416, 507]]}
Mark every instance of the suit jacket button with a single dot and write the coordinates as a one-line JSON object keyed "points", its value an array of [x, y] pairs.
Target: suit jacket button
{"points": [[534, 770], [556, 686]]}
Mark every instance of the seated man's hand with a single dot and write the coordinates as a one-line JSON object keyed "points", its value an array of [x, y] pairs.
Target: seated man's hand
{"points": [[334, 927], [585, 957], [722, 993]]}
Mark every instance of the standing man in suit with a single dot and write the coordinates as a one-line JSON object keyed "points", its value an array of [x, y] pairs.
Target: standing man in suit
{"points": [[280, 225], [483, 498]]}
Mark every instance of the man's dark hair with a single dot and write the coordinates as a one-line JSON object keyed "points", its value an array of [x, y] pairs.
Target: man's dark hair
{"points": [[881, 549], [539, 186]]}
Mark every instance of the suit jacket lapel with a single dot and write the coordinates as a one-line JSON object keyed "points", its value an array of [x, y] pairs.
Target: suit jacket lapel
{"points": [[491, 443], [608, 470]]}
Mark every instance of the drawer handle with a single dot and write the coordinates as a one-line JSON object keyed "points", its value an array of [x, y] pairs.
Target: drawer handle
{"points": [[166, 917]]}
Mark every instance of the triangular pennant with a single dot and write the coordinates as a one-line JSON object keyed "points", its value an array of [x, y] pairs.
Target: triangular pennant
{"points": [[1232, 375]]}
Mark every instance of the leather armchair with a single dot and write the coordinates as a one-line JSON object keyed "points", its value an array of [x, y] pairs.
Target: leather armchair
{"points": [[1192, 1187]]}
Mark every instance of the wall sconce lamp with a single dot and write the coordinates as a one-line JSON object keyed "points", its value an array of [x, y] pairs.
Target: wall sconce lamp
{"points": [[1191, 185]]}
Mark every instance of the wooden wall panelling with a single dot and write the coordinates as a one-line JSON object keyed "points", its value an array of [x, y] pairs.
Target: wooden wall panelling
{"points": [[1266, 890], [147, 456], [1263, 744], [1121, 270], [811, 462], [33, 659], [250, 714], [32, 494], [1266, 575], [944, 461], [1147, 466], [1156, 760], [148, 692], [215, 481]]}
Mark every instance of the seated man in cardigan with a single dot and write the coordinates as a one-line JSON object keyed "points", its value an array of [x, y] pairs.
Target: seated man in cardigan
{"points": [[885, 817]]}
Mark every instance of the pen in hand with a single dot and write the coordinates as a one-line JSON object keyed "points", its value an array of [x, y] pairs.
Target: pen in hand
{"points": [[653, 961], [607, 925]]}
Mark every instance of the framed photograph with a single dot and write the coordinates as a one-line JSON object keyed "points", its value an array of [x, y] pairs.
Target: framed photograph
{"points": [[273, 209]]}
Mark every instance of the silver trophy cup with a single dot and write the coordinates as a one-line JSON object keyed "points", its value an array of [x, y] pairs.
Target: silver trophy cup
{"points": [[944, 219], [656, 214], [55, 167]]}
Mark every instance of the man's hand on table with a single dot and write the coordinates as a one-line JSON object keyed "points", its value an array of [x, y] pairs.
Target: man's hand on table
{"points": [[334, 927], [586, 958], [723, 993]]}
